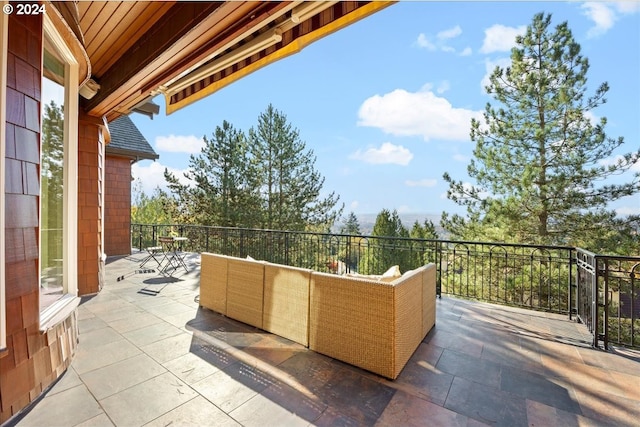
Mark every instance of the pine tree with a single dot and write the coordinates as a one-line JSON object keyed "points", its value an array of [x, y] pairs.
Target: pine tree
{"points": [[288, 182], [351, 225], [538, 160], [386, 252], [426, 230], [224, 191], [52, 182]]}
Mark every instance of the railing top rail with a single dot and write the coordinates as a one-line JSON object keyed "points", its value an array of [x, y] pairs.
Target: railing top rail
{"points": [[363, 236], [609, 257]]}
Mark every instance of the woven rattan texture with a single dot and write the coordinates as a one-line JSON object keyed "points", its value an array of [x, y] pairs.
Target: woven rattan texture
{"points": [[428, 298], [408, 317], [352, 320], [286, 302], [213, 273], [245, 291]]}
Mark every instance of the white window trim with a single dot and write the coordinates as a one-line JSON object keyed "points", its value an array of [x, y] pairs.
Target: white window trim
{"points": [[4, 24], [65, 305]]}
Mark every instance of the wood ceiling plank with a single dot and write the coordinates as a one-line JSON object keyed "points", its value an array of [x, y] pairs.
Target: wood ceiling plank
{"points": [[99, 23], [88, 10], [180, 23], [106, 55], [125, 16]]}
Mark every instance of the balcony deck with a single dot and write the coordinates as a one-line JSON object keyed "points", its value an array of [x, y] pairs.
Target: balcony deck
{"points": [[148, 355]]}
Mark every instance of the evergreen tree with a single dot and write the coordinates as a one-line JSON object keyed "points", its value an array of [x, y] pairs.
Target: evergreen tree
{"points": [[224, 191], [52, 183], [288, 182], [426, 230], [351, 225], [386, 252], [538, 156]]}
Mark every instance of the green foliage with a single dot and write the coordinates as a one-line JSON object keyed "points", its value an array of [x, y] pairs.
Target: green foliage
{"points": [[351, 225], [538, 161], [384, 253], [52, 183], [266, 179], [223, 191], [159, 208], [287, 181]]}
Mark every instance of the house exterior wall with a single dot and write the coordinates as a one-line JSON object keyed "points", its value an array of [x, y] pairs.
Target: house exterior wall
{"points": [[117, 212], [90, 165], [32, 360]]}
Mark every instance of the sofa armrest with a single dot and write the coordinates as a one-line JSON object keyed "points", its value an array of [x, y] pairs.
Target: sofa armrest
{"points": [[213, 282]]}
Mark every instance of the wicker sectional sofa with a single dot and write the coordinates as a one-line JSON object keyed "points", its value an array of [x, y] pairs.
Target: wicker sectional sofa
{"points": [[370, 324]]}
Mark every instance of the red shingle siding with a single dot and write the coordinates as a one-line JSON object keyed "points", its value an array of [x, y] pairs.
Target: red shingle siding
{"points": [[32, 360], [90, 151], [117, 212]]}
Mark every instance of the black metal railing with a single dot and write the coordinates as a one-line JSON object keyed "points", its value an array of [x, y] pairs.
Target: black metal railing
{"points": [[609, 298], [536, 277], [603, 291]]}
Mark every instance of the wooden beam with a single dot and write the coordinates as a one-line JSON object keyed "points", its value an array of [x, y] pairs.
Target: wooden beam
{"points": [[178, 21]]}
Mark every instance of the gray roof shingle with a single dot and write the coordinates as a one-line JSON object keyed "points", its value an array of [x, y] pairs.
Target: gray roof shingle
{"points": [[126, 140]]}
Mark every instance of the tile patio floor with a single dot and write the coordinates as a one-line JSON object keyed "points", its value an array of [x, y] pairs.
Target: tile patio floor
{"points": [[148, 355]]}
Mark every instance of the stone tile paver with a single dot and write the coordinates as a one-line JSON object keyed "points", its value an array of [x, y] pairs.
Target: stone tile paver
{"points": [[148, 355]]}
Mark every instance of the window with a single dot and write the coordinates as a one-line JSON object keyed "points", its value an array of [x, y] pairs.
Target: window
{"points": [[3, 84], [58, 176]]}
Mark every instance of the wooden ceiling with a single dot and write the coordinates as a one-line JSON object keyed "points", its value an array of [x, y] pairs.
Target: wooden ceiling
{"points": [[138, 49]]}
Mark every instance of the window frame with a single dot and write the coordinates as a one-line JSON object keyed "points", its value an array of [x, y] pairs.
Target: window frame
{"points": [[69, 300], [4, 28]]}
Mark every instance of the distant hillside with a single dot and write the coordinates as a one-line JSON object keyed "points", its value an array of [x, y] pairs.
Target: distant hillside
{"points": [[367, 221]]}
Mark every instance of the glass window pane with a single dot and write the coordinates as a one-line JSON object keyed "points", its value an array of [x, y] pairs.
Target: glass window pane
{"points": [[52, 182]]}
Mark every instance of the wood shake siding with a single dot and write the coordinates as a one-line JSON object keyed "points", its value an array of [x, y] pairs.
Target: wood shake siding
{"points": [[90, 165], [33, 360], [117, 239]]}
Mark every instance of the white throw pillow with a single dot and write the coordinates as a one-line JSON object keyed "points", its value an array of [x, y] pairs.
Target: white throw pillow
{"points": [[391, 274]]}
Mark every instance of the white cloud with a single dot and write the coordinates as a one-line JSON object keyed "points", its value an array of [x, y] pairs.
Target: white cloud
{"points": [[461, 158], [403, 209], [450, 33], [491, 65], [421, 183], [443, 87], [628, 210], [605, 14], [440, 41], [422, 113], [354, 205], [424, 42], [386, 154], [466, 51], [466, 188], [602, 15], [152, 176], [179, 144], [627, 6], [610, 161], [592, 118], [500, 38]]}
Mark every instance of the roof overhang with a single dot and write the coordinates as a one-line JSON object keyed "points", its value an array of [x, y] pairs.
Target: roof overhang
{"points": [[189, 50], [285, 36]]}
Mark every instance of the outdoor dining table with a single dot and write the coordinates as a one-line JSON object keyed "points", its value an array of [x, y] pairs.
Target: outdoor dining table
{"points": [[172, 247]]}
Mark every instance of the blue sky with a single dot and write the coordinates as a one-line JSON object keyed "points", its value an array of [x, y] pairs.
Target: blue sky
{"points": [[386, 103]]}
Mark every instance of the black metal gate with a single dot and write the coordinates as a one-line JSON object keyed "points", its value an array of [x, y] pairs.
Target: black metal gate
{"points": [[608, 298]]}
